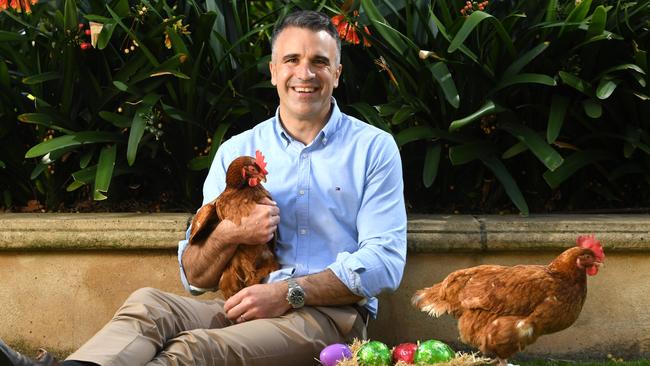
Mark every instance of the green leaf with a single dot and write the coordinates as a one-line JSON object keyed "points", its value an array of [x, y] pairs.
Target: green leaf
{"points": [[70, 19], [488, 108], [559, 106], [386, 32], [524, 79], [576, 83], [465, 153], [75, 139], [535, 143], [403, 114], [38, 169], [442, 75], [593, 108], [572, 164], [514, 150], [606, 87], [117, 120], [597, 23], [135, 135], [199, 163], [524, 60], [11, 36], [74, 186], [47, 119], [104, 173], [471, 22], [370, 114], [508, 182], [86, 157], [105, 35], [576, 16], [2, 164], [40, 78], [431, 163], [424, 133], [5, 79]]}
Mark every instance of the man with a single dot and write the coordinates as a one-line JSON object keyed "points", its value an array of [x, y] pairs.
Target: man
{"points": [[337, 186]]}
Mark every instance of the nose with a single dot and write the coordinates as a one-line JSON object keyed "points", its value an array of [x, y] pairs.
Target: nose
{"points": [[304, 71]]}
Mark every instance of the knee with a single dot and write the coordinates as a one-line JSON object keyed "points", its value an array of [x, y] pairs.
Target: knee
{"points": [[144, 295]]}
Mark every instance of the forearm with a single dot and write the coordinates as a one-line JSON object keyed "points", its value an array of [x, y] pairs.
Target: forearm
{"points": [[325, 289], [204, 262]]}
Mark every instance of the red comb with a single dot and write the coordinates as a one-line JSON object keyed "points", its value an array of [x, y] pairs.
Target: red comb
{"points": [[259, 161], [590, 242]]}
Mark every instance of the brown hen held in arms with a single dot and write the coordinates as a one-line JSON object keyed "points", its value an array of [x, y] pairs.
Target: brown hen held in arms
{"points": [[501, 310], [250, 263]]}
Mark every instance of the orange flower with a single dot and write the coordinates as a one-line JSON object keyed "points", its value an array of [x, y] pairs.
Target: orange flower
{"points": [[347, 31], [18, 5]]}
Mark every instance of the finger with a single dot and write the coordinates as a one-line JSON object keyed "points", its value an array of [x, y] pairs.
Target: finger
{"points": [[267, 201]]}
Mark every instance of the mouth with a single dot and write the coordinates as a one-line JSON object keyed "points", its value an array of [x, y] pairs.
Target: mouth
{"points": [[304, 89]]}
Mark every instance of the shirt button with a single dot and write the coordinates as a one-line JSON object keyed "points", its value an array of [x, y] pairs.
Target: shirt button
{"points": [[303, 231], [301, 192], [305, 156]]}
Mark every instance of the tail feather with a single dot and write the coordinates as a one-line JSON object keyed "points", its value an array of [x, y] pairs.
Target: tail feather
{"points": [[429, 300]]}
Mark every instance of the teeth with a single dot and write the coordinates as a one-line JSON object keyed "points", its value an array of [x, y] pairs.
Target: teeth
{"points": [[304, 90]]}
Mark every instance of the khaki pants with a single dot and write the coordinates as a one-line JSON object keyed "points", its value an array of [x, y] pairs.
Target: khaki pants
{"points": [[158, 328]]}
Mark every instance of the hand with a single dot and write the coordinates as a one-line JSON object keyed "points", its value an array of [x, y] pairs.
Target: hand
{"points": [[266, 300], [258, 227]]}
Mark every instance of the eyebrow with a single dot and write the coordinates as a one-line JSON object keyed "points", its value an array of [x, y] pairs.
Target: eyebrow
{"points": [[316, 58]]}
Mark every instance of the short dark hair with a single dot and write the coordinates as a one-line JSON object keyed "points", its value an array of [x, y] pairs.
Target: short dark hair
{"points": [[310, 19]]}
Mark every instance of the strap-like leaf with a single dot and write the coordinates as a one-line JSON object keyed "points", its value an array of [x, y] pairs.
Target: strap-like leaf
{"points": [[472, 22], [104, 173], [431, 163], [462, 154], [509, 184], [536, 144], [572, 164], [442, 75], [137, 130], [75, 139], [559, 106], [488, 108], [524, 60], [41, 78], [524, 79]]}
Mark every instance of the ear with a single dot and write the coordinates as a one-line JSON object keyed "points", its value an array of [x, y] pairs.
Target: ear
{"points": [[337, 75], [273, 72], [205, 220]]}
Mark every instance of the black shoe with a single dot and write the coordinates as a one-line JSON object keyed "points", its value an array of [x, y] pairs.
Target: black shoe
{"points": [[9, 357]]}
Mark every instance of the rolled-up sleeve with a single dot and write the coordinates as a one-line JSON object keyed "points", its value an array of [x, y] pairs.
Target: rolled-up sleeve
{"points": [[379, 263], [213, 186]]}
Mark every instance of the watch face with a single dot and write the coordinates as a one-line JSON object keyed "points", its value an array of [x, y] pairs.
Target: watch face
{"points": [[296, 297]]}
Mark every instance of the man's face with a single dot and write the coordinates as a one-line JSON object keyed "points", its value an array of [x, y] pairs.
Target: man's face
{"points": [[305, 72]]}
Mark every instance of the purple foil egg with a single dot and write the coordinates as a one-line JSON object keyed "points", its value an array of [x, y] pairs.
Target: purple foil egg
{"points": [[333, 353]]}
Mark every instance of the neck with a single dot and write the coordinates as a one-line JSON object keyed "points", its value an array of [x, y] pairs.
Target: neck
{"points": [[305, 130]]}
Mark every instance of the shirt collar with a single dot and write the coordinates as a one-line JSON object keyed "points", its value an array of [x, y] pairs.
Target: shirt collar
{"points": [[330, 128]]}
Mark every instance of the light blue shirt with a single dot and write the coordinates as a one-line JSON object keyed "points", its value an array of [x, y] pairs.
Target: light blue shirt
{"points": [[341, 202]]}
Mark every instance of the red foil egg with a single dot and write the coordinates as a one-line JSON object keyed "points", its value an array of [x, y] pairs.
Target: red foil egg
{"points": [[404, 352]]}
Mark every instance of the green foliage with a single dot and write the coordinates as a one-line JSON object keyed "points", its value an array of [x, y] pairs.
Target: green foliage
{"points": [[514, 106], [540, 100], [152, 100]]}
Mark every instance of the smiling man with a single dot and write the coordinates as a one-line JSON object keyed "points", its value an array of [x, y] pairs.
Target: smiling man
{"points": [[339, 210]]}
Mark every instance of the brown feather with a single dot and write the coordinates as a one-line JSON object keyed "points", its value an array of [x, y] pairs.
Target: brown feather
{"points": [[250, 263], [501, 310]]}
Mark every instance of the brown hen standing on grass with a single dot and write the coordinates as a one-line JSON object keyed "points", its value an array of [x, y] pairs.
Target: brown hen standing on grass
{"points": [[501, 310], [250, 263]]}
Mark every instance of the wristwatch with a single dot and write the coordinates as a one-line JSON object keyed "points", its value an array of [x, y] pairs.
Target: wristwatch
{"points": [[295, 294]]}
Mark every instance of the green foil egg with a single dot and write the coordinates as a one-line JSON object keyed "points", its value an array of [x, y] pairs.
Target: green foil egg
{"points": [[433, 351], [374, 353]]}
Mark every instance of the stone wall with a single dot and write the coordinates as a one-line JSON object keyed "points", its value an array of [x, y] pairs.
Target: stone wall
{"points": [[62, 276]]}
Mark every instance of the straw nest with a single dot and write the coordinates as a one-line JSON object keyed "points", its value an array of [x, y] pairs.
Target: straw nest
{"points": [[461, 359]]}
